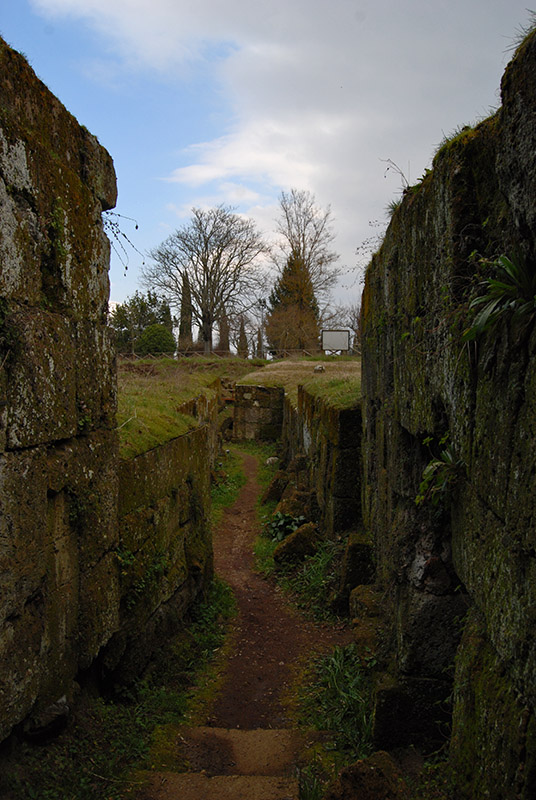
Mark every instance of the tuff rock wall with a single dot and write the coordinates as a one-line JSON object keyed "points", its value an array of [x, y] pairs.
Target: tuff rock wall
{"points": [[458, 570], [329, 440], [58, 485], [98, 559]]}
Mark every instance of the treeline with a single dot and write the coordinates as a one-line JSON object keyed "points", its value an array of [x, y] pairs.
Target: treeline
{"points": [[234, 290]]}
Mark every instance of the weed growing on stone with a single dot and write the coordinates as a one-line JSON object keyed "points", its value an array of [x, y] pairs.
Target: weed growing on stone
{"points": [[509, 292], [94, 757], [278, 526], [440, 474]]}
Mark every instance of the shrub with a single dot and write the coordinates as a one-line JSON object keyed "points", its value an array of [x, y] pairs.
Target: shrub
{"points": [[154, 340]]}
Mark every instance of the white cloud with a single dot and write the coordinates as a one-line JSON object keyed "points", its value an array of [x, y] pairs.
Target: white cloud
{"points": [[317, 92]]}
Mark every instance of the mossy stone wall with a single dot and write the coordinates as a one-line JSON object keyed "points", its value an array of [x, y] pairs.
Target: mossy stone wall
{"points": [[165, 547], [330, 440], [99, 560], [474, 548], [58, 485], [258, 412]]}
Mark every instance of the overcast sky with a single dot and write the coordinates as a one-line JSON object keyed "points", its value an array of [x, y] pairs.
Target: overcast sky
{"points": [[203, 102]]}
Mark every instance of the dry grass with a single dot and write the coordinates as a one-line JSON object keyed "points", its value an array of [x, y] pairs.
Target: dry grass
{"points": [[340, 382]]}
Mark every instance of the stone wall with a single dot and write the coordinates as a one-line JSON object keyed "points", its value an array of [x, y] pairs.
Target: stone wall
{"points": [[330, 440], [458, 569], [258, 412], [98, 559], [165, 548], [60, 596]]}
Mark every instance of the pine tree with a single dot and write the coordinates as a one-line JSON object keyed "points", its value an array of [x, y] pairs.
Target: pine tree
{"points": [[292, 322], [294, 287]]}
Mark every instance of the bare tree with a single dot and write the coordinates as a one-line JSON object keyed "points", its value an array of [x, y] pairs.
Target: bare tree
{"points": [[219, 251], [346, 316], [307, 236]]}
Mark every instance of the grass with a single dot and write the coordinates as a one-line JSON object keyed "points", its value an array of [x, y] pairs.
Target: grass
{"points": [[310, 584], [229, 480], [341, 393], [434, 783], [94, 758], [289, 374], [151, 393], [335, 696]]}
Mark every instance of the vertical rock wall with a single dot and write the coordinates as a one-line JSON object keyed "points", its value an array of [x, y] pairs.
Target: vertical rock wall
{"points": [[59, 592], [459, 568], [329, 438], [165, 547]]}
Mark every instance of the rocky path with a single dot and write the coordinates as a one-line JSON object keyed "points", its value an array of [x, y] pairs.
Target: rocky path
{"points": [[247, 749]]}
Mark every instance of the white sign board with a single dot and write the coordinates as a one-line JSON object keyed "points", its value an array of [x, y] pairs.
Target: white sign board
{"points": [[335, 340]]}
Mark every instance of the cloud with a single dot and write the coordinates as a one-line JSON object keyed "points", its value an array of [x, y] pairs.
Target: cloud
{"points": [[315, 93]]}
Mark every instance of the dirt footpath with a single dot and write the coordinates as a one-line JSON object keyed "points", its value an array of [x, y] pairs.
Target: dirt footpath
{"points": [[270, 637], [247, 748]]}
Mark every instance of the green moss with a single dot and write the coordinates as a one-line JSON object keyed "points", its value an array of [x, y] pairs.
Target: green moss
{"points": [[491, 725]]}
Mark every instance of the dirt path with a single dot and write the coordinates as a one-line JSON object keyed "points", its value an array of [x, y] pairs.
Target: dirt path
{"points": [[270, 636], [247, 748]]}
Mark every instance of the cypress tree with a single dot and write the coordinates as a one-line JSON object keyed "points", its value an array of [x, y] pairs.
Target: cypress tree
{"points": [[242, 340], [185, 325]]}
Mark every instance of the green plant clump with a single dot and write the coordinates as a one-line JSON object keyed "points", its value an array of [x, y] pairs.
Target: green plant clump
{"points": [[280, 525], [339, 699], [440, 474], [509, 292]]}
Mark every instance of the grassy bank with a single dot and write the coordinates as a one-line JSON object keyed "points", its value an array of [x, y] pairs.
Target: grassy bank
{"points": [[152, 391], [341, 378]]}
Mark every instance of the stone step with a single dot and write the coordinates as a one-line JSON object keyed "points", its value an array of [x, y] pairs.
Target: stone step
{"points": [[197, 786], [231, 764], [224, 751]]}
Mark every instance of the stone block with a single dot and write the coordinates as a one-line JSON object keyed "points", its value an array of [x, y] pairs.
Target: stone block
{"points": [[493, 744], [358, 562], [41, 392], [96, 389], [99, 608], [412, 712], [296, 546], [428, 631]]}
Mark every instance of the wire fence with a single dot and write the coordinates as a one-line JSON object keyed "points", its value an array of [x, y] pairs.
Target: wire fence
{"points": [[273, 354]]}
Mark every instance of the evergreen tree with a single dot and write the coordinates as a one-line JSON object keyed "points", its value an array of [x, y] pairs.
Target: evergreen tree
{"points": [[292, 322], [223, 331], [185, 327], [242, 340], [294, 286]]}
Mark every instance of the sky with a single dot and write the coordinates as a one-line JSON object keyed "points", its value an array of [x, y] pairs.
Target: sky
{"points": [[205, 102]]}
